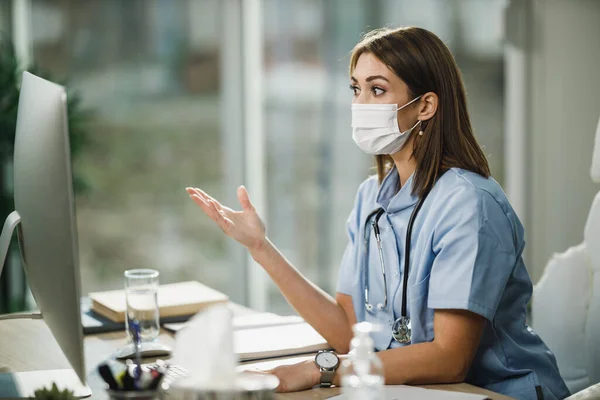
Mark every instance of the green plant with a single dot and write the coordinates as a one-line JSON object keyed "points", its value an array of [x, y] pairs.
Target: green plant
{"points": [[53, 394], [10, 79]]}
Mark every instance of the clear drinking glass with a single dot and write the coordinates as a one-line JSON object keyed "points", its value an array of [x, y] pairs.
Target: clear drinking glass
{"points": [[141, 293]]}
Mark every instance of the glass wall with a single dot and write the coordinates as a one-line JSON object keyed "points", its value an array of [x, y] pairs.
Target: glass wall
{"points": [[148, 70]]}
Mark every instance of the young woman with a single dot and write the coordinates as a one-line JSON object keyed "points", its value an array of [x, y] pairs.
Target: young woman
{"points": [[435, 249]]}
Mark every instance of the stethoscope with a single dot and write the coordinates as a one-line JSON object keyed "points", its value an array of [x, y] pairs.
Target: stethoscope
{"points": [[401, 329]]}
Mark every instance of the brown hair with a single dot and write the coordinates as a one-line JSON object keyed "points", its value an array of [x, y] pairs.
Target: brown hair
{"points": [[425, 64]]}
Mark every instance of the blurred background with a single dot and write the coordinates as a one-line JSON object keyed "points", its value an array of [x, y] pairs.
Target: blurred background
{"points": [[218, 93]]}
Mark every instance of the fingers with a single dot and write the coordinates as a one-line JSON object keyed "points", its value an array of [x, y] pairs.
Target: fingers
{"points": [[212, 209], [244, 198], [205, 206], [201, 202], [242, 194], [202, 194], [207, 198]]}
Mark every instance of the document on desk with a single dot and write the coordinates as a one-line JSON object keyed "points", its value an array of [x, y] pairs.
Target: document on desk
{"points": [[277, 341], [258, 320], [403, 392]]}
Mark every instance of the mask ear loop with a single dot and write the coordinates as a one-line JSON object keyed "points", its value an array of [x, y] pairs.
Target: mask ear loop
{"points": [[418, 121], [409, 103]]}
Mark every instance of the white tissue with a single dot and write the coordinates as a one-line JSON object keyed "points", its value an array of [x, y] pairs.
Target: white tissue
{"points": [[205, 348]]}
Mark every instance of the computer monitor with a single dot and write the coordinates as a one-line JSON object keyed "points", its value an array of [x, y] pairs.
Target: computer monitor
{"points": [[45, 213]]}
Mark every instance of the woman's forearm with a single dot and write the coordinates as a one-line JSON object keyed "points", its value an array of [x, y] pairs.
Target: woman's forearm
{"points": [[317, 308], [421, 363]]}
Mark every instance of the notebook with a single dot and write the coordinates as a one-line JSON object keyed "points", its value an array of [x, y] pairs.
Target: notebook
{"points": [[93, 322], [176, 299], [277, 341]]}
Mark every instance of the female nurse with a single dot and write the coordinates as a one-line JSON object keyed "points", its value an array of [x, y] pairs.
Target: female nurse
{"points": [[435, 249]]}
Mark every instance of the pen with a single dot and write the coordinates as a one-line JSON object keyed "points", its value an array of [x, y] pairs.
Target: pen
{"points": [[155, 380], [106, 374], [138, 359], [120, 377], [128, 382]]}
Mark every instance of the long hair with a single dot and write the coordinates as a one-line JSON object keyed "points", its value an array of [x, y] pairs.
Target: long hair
{"points": [[425, 64]]}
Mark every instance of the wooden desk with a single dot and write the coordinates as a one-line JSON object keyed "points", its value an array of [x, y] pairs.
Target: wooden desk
{"points": [[28, 345]]}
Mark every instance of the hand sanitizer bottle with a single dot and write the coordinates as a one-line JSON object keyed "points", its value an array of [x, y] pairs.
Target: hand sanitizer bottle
{"points": [[362, 372]]}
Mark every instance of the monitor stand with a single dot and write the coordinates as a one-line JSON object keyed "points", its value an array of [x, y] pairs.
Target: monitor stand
{"points": [[147, 349]]}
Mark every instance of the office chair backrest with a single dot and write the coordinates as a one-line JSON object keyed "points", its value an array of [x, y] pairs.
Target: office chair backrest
{"points": [[566, 300], [591, 237]]}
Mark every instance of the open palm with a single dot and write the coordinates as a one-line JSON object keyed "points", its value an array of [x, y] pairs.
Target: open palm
{"points": [[244, 226]]}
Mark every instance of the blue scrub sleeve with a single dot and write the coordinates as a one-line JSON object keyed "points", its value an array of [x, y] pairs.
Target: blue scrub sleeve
{"points": [[349, 277], [474, 254], [349, 272]]}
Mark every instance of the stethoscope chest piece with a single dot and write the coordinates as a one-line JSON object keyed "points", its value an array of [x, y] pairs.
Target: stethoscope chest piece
{"points": [[401, 330]]}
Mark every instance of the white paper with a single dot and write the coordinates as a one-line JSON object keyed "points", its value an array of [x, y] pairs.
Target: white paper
{"points": [[276, 341], [259, 320], [403, 392], [264, 320], [268, 365]]}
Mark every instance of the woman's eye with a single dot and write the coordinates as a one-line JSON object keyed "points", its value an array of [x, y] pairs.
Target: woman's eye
{"points": [[354, 89], [377, 91]]}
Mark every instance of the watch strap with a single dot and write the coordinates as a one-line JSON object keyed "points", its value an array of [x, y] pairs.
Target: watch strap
{"points": [[326, 378]]}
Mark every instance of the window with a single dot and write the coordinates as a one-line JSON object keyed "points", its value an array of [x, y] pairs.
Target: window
{"points": [[156, 75], [149, 72]]}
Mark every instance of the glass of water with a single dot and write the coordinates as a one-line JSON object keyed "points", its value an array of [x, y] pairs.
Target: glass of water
{"points": [[141, 293]]}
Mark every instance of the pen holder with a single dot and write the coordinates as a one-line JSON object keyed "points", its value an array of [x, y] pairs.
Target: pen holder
{"points": [[137, 395], [223, 395]]}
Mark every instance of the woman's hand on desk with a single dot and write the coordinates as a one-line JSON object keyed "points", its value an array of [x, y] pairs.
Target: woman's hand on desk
{"points": [[296, 377], [244, 226]]}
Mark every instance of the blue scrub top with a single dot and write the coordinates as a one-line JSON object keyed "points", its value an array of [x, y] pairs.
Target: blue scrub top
{"points": [[466, 253]]}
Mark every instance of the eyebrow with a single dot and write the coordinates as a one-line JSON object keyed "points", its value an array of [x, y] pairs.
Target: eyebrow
{"points": [[371, 78]]}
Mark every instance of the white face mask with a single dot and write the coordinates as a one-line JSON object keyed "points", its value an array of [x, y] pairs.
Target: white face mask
{"points": [[375, 127]]}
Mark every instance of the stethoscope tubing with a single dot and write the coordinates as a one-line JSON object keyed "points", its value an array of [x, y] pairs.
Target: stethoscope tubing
{"points": [[377, 213]]}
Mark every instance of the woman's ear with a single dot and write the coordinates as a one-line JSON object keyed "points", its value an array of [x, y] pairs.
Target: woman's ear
{"points": [[428, 106]]}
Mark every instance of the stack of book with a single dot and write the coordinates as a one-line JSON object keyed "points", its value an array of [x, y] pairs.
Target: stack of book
{"points": [[177, 302]]}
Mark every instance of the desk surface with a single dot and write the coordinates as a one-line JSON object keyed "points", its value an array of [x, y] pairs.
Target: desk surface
{"points": [[28, 345]]}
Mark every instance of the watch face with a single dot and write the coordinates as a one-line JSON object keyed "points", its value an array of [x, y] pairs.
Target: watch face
{"points": [[327, 360]]}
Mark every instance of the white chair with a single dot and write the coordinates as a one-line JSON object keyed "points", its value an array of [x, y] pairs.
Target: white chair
{"points": [[566, 301]]}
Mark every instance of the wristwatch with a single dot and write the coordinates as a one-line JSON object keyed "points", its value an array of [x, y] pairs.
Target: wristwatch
{"points": [[327, 361]]}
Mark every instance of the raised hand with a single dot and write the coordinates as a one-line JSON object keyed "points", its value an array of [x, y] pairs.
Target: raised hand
{"points": [[244, 226]]}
